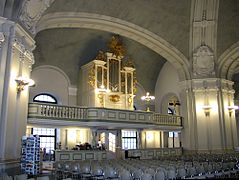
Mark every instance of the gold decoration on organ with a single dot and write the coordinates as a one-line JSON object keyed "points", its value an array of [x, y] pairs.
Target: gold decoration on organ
{"points": [[116, 46]]}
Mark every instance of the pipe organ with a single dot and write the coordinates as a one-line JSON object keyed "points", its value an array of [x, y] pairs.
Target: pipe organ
{"points": [[109, 80]]}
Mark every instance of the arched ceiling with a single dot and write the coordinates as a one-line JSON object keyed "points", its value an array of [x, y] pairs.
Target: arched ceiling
{"points": [[69, 49]]}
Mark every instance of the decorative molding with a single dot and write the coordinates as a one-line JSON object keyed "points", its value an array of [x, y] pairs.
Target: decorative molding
{"points": [[124, 28], [31, 11], [211, 84], [19, 44], [203, 62]]}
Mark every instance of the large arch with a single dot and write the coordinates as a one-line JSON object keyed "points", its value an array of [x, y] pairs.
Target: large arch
{"points": [[118, 26], [228, 62]]}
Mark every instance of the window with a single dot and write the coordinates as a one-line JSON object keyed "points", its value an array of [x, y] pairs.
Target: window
{"points": [[129, 139], [111, 142], [47, 140], [170, 111], [45, 98]]}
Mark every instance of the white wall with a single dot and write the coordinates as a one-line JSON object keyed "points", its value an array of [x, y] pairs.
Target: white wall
{"points": [[167, 83], [51, 80]]}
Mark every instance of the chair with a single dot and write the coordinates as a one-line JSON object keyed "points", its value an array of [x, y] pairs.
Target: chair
{"points": [[146, 176], [125, 175], [85, 170], [59, 170], [171, 174], [191, 171], [181, 173], [66, 170], [75, 171], [160, 175], [137, 174], [97, 172], [110, 173], [150, 171]]}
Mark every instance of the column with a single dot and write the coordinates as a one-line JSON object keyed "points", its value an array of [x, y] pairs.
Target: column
{"points": [[16, 60], [94, 139]]}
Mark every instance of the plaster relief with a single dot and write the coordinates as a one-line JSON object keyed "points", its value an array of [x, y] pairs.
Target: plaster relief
{"points": [[32, 11], [203, 62]]}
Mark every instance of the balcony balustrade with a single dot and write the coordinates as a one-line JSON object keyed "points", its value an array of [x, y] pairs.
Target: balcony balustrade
{"points": [[94, 114]]}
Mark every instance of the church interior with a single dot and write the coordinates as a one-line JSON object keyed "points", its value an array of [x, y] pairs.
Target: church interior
{"points": [[128, 89]]}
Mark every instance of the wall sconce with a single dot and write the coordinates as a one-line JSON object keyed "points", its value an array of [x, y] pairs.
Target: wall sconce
{"points": [[207, 109], [231, 108], [147, 98], [22, 82], [101, 94]]}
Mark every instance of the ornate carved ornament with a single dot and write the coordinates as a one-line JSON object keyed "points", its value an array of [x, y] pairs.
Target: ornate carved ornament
{"points": [[114, 98], [91, 76], [116, 46], [31, 11], [203, 62]]}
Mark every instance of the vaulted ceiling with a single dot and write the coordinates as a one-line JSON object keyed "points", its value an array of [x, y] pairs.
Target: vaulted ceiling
{"points": [[68, 48]]}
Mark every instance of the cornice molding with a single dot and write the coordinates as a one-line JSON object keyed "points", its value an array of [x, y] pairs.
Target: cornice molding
{"points": [[118, 26], [209, 84]]}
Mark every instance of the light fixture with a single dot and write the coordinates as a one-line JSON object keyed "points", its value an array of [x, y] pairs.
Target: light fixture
{"points": [[231, 108], [22, 82], [101, 93], [207, 109], [147, 98]]}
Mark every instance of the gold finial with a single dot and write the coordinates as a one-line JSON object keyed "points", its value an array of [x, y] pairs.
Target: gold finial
{"points": [[116, 46], [101, 56]]}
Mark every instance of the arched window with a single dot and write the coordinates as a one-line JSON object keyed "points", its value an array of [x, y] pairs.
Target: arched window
{"points": [[170, 111], [45, 98]]}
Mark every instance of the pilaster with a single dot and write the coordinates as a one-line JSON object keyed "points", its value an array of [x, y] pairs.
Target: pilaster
{"points": [[16, 60], [210, 124]]}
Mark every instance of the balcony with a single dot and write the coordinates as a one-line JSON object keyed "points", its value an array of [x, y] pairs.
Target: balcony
{"points": [[47, 114]]}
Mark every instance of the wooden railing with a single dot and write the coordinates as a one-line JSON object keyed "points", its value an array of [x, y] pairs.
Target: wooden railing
{"points": [[78, 113]]}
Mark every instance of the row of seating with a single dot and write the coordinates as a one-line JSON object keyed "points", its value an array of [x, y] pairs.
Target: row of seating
{"points": [[178, 167]]}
